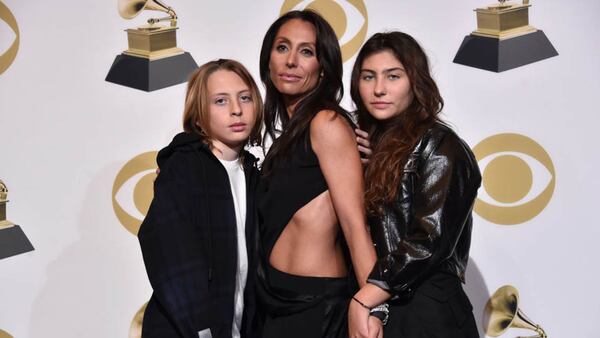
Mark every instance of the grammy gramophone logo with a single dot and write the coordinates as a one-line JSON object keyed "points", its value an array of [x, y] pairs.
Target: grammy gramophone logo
{"points": [[503, 312], [504, 39], [12, 239], [153, 60], [348, 18]]}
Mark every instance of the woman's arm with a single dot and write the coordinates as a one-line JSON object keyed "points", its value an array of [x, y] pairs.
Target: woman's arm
{"points": [[335, 146], [334, 143]]}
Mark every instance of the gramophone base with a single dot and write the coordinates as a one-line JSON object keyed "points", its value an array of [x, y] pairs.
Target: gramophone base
{"points": [[149, 75], [499, 55], [13, 242]]}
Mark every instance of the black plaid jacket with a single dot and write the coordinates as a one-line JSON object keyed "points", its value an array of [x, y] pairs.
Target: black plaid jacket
{"points": [[189, 244]]}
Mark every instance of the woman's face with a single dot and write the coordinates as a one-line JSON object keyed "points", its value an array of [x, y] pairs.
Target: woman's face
{"points": [[293, 64], [231, 109], [384, 85]]}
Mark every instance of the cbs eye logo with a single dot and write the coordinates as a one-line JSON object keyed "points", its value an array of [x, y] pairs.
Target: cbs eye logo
{"points": [[133, 190], [135, 329], [349, 20], [8, 26], [518, 179]]}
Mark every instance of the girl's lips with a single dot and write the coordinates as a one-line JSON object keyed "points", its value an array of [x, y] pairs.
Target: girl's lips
{"points": [[380, 104]]}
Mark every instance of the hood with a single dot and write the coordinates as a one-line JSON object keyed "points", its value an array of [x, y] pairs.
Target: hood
{"points": [[180, 141], [190, 141]]}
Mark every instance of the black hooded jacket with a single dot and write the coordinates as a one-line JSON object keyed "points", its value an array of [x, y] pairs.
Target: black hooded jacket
{"points": [[189, 244]]}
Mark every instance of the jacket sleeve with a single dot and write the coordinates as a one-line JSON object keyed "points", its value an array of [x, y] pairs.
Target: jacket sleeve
{"points": [[172, 249], [440, 197]]}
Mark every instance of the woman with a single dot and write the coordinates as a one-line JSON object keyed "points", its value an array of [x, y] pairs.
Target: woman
{"points": [[421, 180], [311, 182], [199, 236]]}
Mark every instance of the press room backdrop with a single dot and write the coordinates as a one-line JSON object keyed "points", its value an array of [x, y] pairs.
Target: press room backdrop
{"points": [[77, 153]]}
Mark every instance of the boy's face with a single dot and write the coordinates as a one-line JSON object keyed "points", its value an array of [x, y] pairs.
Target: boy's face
{"points": [[231, 109]]}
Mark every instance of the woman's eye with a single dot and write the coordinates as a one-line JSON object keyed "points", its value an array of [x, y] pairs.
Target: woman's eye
{"points": [[307, 52], [246, 98], [393, 76], [367, 77], [281, 48]]}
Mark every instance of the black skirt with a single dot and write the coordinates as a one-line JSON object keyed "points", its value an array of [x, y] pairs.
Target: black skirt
{"points": [[300, 307], [438, 308]]}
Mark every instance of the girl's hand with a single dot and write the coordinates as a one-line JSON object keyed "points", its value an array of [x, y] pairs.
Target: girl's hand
{"points": [[375, 327], [364, 146], [359, 315], [358, 320]]}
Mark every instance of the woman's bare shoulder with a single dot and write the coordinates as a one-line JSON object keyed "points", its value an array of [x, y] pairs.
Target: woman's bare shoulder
{"points": [[328, 125]]}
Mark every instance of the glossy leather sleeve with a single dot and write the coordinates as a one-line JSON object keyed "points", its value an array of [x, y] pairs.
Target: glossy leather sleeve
{"points": [[420, 230]]}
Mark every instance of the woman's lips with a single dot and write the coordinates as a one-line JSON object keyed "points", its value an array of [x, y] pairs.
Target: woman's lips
{"points": [[289, 77]]}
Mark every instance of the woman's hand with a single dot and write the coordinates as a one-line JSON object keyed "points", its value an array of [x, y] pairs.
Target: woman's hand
{"points": [[358, 320], [364, 146]]}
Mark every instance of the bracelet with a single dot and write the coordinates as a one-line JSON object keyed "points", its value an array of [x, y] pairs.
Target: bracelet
{"points": [[362, 304], [381, 312]]}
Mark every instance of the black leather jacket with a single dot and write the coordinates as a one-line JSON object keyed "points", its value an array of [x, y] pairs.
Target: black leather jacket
{"points": [[427, 229]]}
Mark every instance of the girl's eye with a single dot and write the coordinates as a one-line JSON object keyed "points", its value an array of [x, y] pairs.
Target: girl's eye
{"points": [[246, 98], [220, 101], [307, 52], [393, 76], [367, 77]]}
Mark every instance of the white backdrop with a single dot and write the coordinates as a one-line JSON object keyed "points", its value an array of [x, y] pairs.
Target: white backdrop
{"points": [[65, 134]]}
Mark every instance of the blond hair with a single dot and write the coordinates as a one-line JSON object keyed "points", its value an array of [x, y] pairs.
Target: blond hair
{"points": [[196, 112]]}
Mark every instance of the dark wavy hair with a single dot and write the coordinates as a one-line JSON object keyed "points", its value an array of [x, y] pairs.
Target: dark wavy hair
{"points": [[326, 95], [393, 140]]}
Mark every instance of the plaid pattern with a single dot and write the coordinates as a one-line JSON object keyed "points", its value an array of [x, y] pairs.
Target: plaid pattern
{"points": [[189, 245]]}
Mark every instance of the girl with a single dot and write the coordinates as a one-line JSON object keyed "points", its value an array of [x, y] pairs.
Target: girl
{"points": [[199, 234], [422, 180]]}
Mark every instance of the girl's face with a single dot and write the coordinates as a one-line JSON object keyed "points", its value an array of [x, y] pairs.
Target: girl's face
{"points": [[293, 64], [384, 85], [231, 109]]}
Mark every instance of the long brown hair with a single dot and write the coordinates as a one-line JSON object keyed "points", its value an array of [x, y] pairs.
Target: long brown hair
{"points": [[393, 140], [196, 110]]}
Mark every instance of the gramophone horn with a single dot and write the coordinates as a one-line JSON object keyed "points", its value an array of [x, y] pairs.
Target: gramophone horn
{"points": [[502, 312], [129, 9]]}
